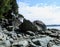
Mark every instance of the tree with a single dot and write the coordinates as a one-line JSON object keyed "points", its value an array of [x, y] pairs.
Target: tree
{"points": [[6, 6]]}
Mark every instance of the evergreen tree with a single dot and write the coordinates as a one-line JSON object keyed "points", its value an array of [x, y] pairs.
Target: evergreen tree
{"points": [[7, 7]]}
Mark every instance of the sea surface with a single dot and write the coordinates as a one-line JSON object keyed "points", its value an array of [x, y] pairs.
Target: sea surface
{"points": [[53, 27]]}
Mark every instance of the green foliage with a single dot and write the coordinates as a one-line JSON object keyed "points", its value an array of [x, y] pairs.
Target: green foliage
{"points": [[4, 7], [14, 7], [8, 5]]}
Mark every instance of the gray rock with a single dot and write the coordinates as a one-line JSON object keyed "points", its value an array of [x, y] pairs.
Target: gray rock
{"points": [[2, 46], [59, 36], [11, 40], [54, 43], [7, 43], [3, 36], [20, 43], [37, 43], [53, 34], [27, 26], [50, 44], [9, 28], [19, 35], [55, 46], [48, 32], [30, 33], [43, 41], [41, 32], [40, 25], [31, 44]]}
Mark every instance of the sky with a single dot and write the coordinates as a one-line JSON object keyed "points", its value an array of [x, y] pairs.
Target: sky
{"points": [[47, 11]]}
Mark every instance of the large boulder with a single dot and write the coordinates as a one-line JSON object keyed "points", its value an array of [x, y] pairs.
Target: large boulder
{"points": [[27, 26], [40, 25]]}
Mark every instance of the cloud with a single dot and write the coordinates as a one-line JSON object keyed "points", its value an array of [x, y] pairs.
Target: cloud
{"points": [[48, 14]]}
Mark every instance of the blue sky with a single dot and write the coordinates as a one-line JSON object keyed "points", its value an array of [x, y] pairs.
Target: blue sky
{"points": [[34, 2], [47, 11]]}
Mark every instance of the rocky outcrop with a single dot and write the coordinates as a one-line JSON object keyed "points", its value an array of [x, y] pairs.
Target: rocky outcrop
{"points": [[40, 25], [30, 39], [27, 34], [27, 26], [11, 22]]}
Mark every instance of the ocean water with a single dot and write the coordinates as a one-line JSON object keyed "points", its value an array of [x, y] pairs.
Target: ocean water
{"points": [[54, 27]]}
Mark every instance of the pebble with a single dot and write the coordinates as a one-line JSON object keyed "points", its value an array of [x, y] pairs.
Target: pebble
{"points": [[17, 40]]}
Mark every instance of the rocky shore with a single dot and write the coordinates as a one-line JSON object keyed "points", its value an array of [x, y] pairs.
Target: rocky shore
{"points": [[17, 31], [26, 37]]}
